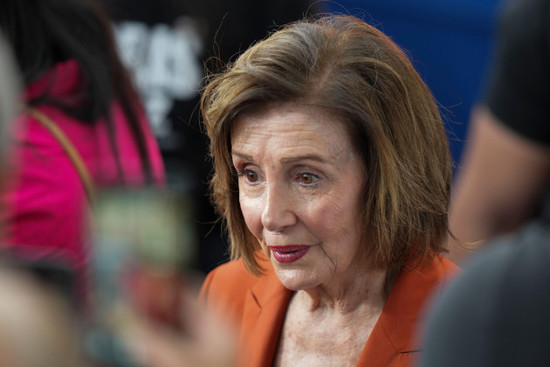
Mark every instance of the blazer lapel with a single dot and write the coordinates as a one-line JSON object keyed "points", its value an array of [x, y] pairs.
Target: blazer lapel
{"points": [[394, 340], [264, 312]]}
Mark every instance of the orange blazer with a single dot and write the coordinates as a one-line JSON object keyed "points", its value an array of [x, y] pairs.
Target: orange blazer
{"points": [[258, 306]]}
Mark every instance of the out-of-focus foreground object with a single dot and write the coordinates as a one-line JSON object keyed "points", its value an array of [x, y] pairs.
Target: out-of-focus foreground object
{"points": [[504, 178], [37, 326]]}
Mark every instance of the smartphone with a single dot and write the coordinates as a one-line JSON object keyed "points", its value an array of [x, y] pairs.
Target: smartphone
{"points": [[143, 240]]}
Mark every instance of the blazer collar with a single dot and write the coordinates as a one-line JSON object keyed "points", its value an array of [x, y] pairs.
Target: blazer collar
{"points": [[394, 333], [397, 330], [265, 306]]}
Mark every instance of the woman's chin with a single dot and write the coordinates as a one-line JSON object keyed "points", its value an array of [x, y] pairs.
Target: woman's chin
{"points": [[296, 280]]}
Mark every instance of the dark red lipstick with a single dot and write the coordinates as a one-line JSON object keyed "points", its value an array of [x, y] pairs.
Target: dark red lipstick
{"points": [[288, 254]]}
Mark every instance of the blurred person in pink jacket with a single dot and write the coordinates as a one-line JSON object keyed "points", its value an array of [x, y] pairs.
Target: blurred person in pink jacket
{"points": [[30, 336], [73, 76]]}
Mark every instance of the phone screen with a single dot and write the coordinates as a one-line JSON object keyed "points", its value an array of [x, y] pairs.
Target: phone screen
{"points": [[143, 240]]}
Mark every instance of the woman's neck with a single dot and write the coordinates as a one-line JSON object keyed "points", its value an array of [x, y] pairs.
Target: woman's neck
{"points": [[360, 290]]}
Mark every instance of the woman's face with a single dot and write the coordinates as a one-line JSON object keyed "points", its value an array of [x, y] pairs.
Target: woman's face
{"points": [[300, 185]]}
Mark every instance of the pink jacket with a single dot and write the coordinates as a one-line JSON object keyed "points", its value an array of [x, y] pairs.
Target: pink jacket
{"points": [[45, 206]]}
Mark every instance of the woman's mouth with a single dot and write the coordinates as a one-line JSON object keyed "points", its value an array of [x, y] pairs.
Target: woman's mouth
{"points": [[288, 254]]}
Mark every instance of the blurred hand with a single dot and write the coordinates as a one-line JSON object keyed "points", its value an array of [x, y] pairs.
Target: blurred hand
{"points": [[208, 340]]}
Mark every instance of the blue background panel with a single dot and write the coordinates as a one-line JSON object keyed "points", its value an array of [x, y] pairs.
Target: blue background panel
{"points": [[448, 41]]}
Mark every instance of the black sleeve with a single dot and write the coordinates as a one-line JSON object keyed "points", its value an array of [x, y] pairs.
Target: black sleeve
{"points": [[519, 82], [495, 314]]}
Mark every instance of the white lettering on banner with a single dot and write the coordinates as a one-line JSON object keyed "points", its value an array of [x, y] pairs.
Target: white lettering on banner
{"points": [[165, 62]]}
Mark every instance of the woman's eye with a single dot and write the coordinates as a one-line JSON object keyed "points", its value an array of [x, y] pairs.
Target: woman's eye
{"points": [[307, 178], [251, 176]]}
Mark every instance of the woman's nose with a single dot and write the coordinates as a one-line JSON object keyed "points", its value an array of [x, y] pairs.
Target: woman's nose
{"points": [[278, 209]]}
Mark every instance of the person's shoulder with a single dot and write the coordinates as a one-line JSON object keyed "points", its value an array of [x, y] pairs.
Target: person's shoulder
{"points": [[231, 274], [229, 283], [446, 266], [509, 266], [418, 282], [427, 279], [516, 262], [498, 303], [438, 268]]}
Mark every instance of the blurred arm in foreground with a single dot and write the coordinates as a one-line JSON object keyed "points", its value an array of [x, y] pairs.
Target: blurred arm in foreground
{"points": [[506, 164]]}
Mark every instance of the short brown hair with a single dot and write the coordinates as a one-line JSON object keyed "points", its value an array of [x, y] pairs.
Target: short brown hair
{"points": [[348, 66]]}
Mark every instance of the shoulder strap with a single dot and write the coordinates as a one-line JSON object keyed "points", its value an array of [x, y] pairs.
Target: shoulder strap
{"points": [[68, 148]]}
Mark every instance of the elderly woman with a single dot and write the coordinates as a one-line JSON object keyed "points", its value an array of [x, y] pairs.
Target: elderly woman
{"points": [[332, 172]]}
